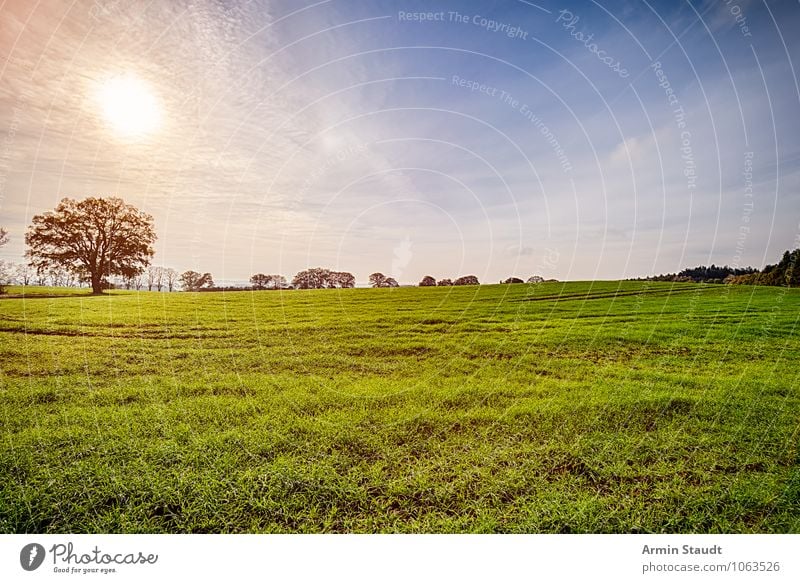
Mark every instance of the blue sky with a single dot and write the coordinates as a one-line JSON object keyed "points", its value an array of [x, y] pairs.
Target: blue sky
{"points": [[358, 136]]}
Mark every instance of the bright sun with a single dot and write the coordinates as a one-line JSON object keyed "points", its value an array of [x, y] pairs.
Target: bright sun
{"points": [[129, 106]]}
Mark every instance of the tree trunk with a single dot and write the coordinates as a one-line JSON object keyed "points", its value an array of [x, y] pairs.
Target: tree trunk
{"points": [[97, 284]]}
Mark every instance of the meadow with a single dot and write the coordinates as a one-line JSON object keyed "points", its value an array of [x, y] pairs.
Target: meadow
{"points": [[556, 407]]}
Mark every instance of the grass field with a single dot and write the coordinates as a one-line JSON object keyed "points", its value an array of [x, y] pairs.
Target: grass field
{"points": [[578, 407]]}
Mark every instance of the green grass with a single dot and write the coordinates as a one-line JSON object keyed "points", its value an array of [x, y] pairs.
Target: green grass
{"points": [[578, 407]]}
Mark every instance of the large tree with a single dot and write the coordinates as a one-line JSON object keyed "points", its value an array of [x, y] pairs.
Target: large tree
{"points": [[427, 281], [95, 239]]}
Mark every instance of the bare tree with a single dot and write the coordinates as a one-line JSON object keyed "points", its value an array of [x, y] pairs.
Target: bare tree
{"points": [[155, 277], [57, 276], [427, 281], [171, 277], [6, 273], [23, 273], [94, 237]]}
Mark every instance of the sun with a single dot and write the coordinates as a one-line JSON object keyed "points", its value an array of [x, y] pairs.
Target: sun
{"points": [[129, 106]]}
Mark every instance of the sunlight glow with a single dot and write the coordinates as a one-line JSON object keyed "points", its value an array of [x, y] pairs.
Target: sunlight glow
{"points": [[129, 106]]}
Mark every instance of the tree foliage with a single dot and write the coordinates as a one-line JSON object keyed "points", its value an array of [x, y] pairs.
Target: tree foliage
{"points": [[427, 281], [377, 280], [194, 281], [513, 280], [261, 281], [467, 280], [784, 273], [95, 239], [320, 278]]}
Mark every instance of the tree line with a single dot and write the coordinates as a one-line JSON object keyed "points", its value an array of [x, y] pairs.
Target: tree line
{"points": [[784, 273], [107, 243], [104, 242]]}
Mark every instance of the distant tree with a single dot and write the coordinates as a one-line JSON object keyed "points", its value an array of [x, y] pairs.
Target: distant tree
{"points": [[170, 278], [160, 276], [22, 274], [319, 278], [155, 277], [377, 280], [390, 282], [6, 274], [70, 279], [343, 279], [427, 281], [57, 276], [95, 238], [513, 280], [260, 281], [467, 280], [309, 278], [6, 268], [535, 279], [277, 282], [193, 281], [305, 279], [784, 273], [263, 281], [445, 281]]}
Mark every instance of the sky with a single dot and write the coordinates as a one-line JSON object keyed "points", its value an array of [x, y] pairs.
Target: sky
{"points": [[572, 140]]}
